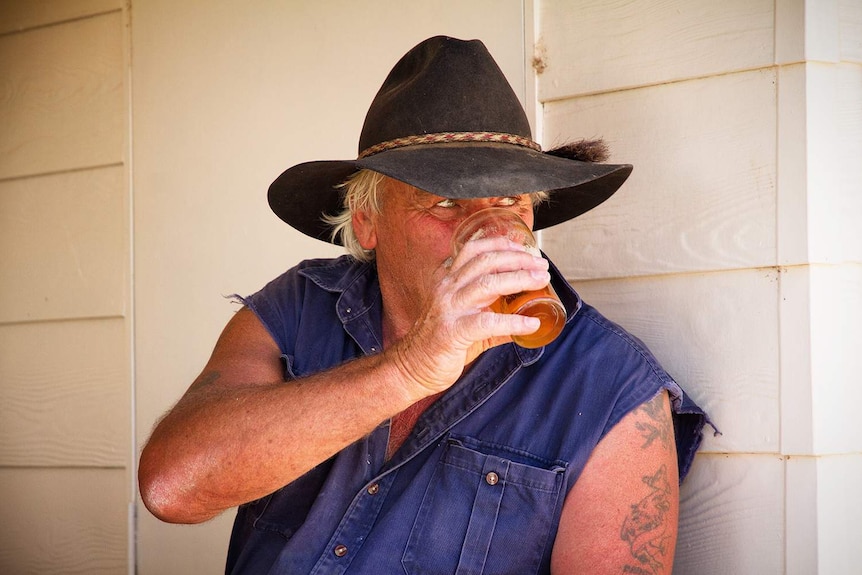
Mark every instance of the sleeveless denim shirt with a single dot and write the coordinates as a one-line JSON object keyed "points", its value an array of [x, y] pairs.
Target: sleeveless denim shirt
{"points": [[478, 487]]}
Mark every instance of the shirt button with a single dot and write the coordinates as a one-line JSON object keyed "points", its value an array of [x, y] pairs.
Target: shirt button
{"points": [[340, 550], [373, 489], [492, 478]]}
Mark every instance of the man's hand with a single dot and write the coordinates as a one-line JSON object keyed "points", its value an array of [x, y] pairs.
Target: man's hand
{"points": [[457, 324]]}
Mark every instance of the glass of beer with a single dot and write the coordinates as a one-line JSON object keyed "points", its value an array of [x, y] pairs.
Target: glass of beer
{"points": [[543, 303]]}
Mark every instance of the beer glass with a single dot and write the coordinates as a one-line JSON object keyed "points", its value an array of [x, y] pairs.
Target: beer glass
{"points": [[544, 303]]}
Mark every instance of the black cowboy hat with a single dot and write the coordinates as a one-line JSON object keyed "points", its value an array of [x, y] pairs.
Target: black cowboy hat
{"points": [[446, 121]]}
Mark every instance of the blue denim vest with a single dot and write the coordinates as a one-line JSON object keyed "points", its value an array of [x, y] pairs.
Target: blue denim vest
{"points": [[479, 485]]}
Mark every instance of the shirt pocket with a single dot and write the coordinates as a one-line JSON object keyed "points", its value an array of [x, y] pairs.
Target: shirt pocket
{"points": [[485, 511]]}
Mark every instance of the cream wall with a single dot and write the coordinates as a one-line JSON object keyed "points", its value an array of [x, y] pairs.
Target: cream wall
{"points": [[733, 250]]}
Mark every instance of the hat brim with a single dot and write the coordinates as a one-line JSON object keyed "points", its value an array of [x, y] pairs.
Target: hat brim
{"points": [[303, 194]]}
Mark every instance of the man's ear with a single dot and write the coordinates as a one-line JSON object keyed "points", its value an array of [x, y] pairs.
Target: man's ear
{"points": [[364, 226]]}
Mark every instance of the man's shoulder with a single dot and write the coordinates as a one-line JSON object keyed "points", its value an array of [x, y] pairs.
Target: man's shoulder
{"points": [[598, 331], [333, 274]]}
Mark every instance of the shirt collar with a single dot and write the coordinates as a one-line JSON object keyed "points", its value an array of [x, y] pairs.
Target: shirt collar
{"points": [[570, 298], [360, 292]]}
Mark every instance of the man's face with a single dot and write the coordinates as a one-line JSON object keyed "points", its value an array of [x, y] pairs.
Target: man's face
{"points": [[412, 238]]}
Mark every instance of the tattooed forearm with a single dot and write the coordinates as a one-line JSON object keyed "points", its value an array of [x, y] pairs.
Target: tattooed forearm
{"points": [[646, 529]]}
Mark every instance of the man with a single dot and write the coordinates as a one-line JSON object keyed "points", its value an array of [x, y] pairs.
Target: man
{"points": [[370, 414]]}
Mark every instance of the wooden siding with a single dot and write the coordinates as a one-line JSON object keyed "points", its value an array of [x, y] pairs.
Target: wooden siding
{"points": [[64, 520], [596, 46], [702, 193], [733, 250], [20, 15], [70, 407], [65, 336], [684, 320], [64, 109], [732, 516], [64, 241]]}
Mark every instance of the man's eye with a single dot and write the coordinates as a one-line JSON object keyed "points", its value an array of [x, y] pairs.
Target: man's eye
{"points": [[446, 203], [510, 201]]}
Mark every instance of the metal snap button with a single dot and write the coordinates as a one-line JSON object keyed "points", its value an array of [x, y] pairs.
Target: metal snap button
{"points": [[373, 489], [340, 550]]}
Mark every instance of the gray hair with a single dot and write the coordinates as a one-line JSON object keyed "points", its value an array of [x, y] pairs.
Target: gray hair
{"points": [[362, 194]]}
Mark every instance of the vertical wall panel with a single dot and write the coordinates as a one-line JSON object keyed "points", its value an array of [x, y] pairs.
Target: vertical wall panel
{"points": [[850, 22], [836, 361], [839, 510], [792, 241], [797, 394], [800, 512], [834, 120]]}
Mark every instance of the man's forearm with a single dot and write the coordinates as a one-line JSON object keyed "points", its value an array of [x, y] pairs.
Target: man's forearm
{"points": [[223, 445]]}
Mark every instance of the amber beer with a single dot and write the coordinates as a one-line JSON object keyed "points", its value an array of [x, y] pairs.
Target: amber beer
{"points": [[543, 303]]}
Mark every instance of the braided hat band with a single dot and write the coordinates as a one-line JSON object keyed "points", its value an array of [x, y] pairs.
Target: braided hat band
{"points": [[447, 137]]}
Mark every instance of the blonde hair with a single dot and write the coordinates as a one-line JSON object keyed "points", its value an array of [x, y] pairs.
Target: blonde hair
{"points": [[362, 194]]}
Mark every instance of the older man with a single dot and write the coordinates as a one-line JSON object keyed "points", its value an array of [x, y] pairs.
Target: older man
{"points": [[370, 414]]}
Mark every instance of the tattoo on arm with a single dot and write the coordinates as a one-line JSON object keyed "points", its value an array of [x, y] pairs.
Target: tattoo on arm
{"points": [[206, 379], [656, 425], [646, 529]]}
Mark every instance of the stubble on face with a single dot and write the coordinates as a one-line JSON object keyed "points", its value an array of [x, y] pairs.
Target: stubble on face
{"points": [[411, 247], [412, 238]]}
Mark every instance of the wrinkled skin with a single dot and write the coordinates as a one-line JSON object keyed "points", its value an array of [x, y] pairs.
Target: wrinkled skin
{"points": [[444, 308]]}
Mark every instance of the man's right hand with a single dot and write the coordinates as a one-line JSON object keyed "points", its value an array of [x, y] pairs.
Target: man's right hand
{"points": [[457, 324]]}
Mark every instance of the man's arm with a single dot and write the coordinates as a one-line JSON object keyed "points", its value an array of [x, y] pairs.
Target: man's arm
{"points": [[621, 515], [240, 432]]}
